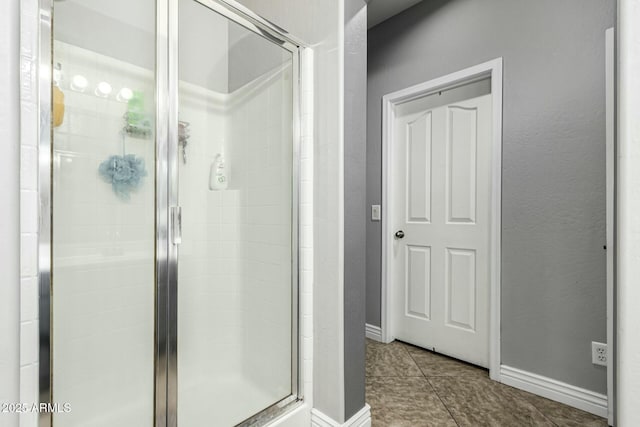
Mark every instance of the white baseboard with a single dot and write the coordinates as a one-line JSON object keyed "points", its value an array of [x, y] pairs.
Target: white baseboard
{"points": [[361, 419], [373, 332], [568, 394]]}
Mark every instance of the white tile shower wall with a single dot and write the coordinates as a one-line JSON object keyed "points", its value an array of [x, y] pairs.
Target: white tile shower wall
{"points": [[29, 209], [209, 274]]}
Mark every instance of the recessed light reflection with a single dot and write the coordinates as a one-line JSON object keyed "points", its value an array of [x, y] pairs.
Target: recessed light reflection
{"points": [[124, 95], [79, 83], [103, 89]]}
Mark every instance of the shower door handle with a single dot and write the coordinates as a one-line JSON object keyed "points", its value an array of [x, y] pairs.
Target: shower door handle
{"points": [[176, 225]]}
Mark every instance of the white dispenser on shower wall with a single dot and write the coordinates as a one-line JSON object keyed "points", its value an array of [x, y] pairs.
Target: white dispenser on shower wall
{"points": [[218, 176]]}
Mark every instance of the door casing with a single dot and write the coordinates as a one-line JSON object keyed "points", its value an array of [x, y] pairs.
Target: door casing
{"points": [[490, 69], [611, 149]]}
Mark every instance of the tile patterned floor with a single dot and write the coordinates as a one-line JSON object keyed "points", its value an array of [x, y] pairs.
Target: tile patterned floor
{"points": [[411, 387]]}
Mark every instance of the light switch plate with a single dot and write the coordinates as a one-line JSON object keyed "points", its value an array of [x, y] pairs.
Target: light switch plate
{"points": [[375, 212]]}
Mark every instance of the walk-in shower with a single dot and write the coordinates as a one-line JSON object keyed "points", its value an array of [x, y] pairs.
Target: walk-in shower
{"points": [[169, 243]]}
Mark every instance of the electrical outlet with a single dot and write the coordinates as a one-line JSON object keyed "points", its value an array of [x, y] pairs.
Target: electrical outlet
{"points": [[599, 353]]}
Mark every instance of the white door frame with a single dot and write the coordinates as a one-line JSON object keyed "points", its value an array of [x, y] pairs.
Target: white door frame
{"points": [[611, 216], [492, 69]]}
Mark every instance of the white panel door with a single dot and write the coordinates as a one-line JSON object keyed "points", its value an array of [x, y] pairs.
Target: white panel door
{"points": [[441, 195]]}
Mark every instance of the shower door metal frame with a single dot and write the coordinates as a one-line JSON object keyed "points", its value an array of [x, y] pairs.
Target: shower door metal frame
{"points": [[166, 181], [240, 15], [44, 31], [162, 283]]}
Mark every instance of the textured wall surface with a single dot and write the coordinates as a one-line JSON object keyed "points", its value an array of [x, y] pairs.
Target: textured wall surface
{"points": [[553, 200], [355, 158]]}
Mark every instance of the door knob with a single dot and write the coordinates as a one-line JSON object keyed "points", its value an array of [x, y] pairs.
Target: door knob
{"points": [[399, 234]]}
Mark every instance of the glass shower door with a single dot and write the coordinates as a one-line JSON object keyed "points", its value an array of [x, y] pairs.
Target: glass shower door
{"points": [[236, 271], [173, 286], [103, 214]]}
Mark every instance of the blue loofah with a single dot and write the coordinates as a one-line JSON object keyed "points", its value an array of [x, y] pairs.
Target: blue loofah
{"points": [[124, 173]]}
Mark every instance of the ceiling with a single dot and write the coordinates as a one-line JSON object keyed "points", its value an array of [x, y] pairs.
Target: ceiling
{"points": [[379, 10]]}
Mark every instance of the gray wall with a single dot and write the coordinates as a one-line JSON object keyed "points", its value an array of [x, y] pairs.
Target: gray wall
{"points": [[553, 183], [355, 157], [9, 214]]}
